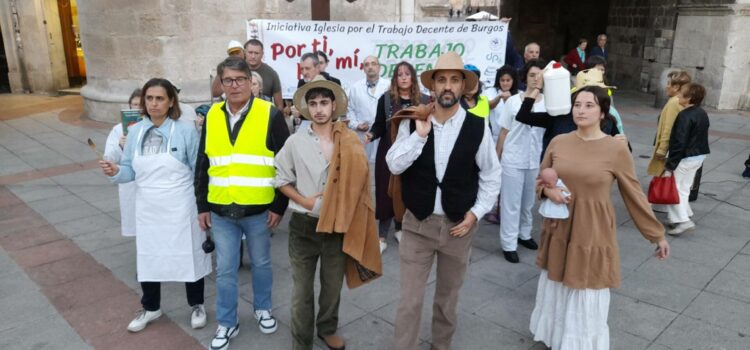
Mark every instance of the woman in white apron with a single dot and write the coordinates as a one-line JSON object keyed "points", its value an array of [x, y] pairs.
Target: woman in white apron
{"points": [[113, 153], [160, 156]]}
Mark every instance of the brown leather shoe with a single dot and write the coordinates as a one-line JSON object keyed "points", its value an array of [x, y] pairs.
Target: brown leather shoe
{"points": [[333, 341]]}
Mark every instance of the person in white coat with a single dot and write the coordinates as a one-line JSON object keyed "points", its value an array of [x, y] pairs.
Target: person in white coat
{"points": [[160, 155], [363, 102], [113, 153]]}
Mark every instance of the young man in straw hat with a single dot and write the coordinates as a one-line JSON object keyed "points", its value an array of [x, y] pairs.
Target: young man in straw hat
{"points": [[451, 177], [302, 168]]}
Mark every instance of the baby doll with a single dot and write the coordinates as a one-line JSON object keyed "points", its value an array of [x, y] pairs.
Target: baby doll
{"points": [[547, 208]]}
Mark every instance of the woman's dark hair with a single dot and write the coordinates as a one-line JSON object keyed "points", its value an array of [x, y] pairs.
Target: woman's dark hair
{"points": [[695, 92], [134, 94], [322, 54], [174, 111], [507, 70], [582, 40], [414, 94], [602, 99], [537, 62]]}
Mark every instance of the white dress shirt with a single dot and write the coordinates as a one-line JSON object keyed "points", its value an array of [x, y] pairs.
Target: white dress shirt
{"points": [[408, 146], [523, 145], [363, 105]]}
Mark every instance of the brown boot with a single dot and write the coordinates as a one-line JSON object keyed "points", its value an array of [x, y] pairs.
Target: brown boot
{"points": [[333, 341]]}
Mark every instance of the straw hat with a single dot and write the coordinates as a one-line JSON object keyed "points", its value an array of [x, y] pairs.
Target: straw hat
{"points": [[234, 46], [449, 61], [320, 82], [590, 77]]}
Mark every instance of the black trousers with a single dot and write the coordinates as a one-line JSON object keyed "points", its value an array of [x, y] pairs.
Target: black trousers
{"points": [[151, 299]]}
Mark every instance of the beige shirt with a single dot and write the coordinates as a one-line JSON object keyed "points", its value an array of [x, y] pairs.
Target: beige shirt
{"points": [[301, 163]]}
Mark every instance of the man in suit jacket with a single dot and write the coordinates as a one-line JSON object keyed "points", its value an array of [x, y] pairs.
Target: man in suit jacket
{"points": [[601, 47]]}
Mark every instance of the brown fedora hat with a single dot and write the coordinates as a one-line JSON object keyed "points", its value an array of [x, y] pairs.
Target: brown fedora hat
{"points": [[449, 61], [320, 82]]}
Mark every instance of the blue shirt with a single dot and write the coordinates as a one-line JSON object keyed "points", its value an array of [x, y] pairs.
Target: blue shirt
{"points": [[184, 145]]}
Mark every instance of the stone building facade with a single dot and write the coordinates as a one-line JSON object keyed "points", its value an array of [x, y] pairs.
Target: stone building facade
{"points": [[182, 40]]}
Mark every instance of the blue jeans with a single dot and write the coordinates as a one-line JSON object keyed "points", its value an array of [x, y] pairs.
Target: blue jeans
{"points": [[227, 233]]}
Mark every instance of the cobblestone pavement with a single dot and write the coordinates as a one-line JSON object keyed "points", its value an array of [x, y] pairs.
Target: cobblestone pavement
{"points": [[68, 277]]}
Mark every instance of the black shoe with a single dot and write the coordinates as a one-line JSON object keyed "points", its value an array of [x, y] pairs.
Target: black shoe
{"points": [[529, 243], [511, 257]]}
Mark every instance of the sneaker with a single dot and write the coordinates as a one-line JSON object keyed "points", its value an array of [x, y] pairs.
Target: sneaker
{"points": [[528, 243], [142, 318], [511, 257], [198, 316], [681, 227], [398, 235], [266, 322], [383, 246], [222, 336]]}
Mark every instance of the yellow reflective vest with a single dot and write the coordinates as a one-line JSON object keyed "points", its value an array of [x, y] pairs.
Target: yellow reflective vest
{"points": [[240, 173], [482, 109]]}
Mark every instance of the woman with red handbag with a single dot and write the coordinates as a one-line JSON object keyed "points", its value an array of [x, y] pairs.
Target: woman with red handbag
{"points": [[688, 147]]}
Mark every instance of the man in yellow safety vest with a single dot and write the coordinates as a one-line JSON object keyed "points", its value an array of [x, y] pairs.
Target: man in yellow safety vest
{"points": [[235, 196]]}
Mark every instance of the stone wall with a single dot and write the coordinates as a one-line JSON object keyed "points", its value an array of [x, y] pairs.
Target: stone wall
{"points": [[640, 34], [713, 44]]}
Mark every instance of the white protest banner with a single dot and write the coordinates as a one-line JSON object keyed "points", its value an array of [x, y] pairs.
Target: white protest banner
{"points": [[348, 43]]}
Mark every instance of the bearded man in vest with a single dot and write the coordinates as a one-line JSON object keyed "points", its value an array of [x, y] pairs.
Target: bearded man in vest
{"points": [[233, 185], [451, 177]]}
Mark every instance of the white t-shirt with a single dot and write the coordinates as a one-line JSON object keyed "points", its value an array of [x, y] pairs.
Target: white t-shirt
{"points": [[523, 145]]}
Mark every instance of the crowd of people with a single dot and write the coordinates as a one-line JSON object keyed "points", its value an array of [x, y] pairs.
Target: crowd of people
{"points": [[442, 162]]}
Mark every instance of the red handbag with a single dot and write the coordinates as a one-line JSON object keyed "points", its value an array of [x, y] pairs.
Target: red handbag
{"points": [[663, 190]]}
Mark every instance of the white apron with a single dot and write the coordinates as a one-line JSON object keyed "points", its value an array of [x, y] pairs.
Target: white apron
{"points": [[127, 208], [168, 239]]}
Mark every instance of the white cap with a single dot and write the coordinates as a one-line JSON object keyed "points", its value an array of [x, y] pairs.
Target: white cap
{"points": [[233, 46]]}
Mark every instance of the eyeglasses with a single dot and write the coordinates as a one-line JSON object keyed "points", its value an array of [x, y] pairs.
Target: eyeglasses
{"points": [[229, 81]]}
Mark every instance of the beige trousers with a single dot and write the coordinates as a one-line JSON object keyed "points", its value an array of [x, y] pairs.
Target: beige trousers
{"points": [[421, 242]]}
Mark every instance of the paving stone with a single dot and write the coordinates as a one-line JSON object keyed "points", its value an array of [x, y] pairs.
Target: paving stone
{"points": [[665, 294], [93, 241], [701, 254], [45, 253], [740, 264], [30, 237], [732, 285], [620, 340], [373, 295], [94, 223], [721, 311], [638, 318], [475, 332], [51, 333], [117, 256], [14, 282], [679, 271], [496, 270], [709, 236], [31, 307], [511, 310], [686, 333], [64, 271], [379, 334]]}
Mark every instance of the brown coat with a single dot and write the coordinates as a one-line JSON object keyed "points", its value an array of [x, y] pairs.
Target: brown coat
{"points": [[663, 132], [348, 209], [421, 112]]}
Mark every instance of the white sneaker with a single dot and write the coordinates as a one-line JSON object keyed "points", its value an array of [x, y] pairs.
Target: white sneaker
{"points": [[142, 318], [222, 336], [198, 316], [266, 321], [681, 227], [383, 246], [398, 235]]}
